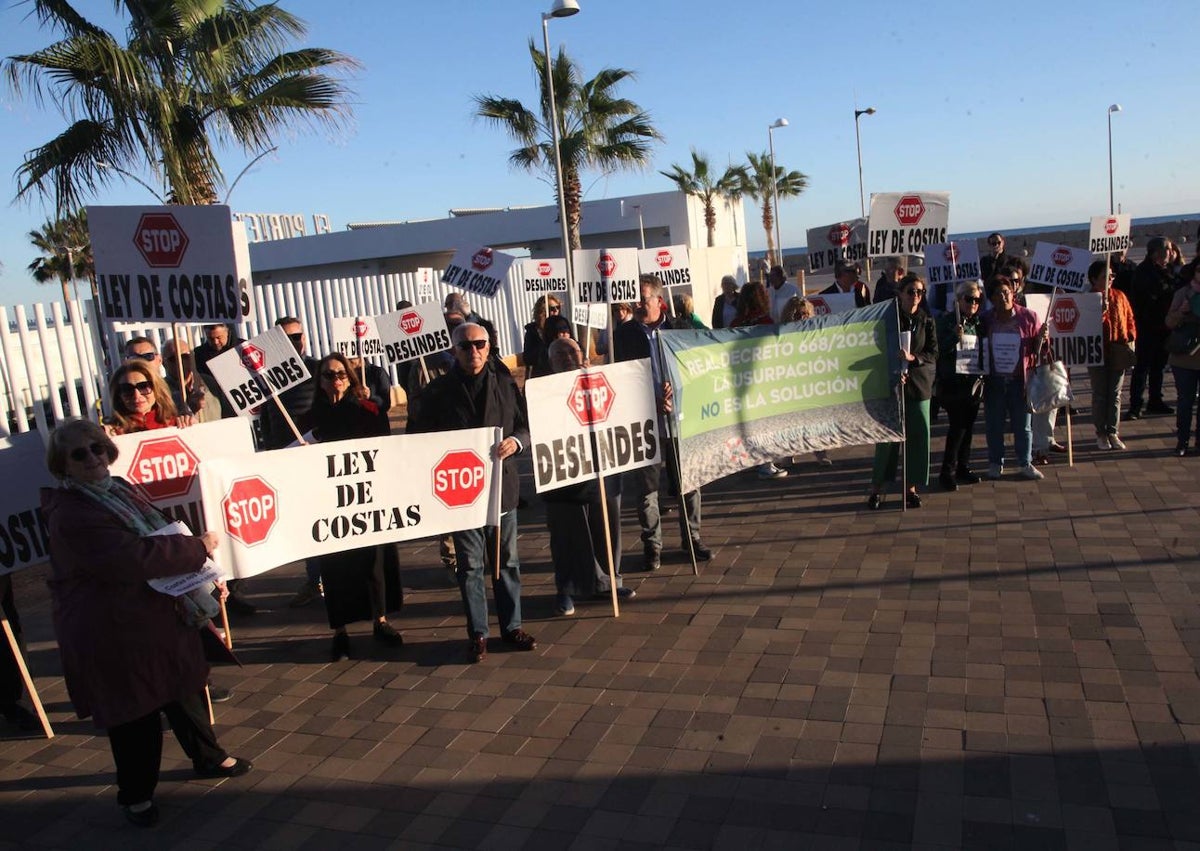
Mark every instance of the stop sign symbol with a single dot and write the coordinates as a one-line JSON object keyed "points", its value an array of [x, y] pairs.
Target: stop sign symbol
{"points": [[820, 306], [458, 478], [361, 329], [252, 357], [909, 210], [544, 269], [839, 235], [606, 266], [1110, 226], [591, 398], [482, 259], [163, 468], [410, 322], [160, 240], [1066, 314], [663, 258], [951, 253], [1061, 256], [250, 510]]}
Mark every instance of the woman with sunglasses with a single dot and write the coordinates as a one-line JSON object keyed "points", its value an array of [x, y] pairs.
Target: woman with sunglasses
{"points": [[920, 359], [534, 351], [1120, 331], [128, 651], [364, 583], [959, 393], [141, 401]]}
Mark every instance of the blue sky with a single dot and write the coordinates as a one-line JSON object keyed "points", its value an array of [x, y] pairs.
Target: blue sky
{"points": [[1004, 108]]}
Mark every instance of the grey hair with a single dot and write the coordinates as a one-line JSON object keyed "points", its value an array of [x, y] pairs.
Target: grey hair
{"points": [[967, 286], [460, 332]]}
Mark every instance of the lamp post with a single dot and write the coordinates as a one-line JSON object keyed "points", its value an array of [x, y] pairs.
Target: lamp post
{"points": [[779, 122], [560, 9], [862, 199], [1116, 107]]}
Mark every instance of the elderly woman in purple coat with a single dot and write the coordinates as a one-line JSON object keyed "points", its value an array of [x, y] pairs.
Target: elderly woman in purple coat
{"points": [[128, 651]]}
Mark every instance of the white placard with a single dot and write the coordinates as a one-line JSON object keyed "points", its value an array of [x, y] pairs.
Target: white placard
{"points": [[479, 270], [1076, 326], [1110, 234], [606, 275], [182, 583], [1060, 266], [1004, 352], [967, 359], [838, 241], [905, 222], [274, 508], [548, 275], [951, 262], [413, 332], [824, 303], [592, 422], [424, 284], [252, 372], [355, 336], [188, 264], [591, 315], [670, 264], [23, 538]]}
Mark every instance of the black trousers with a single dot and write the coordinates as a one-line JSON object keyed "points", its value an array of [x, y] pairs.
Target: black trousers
{"points": [[961, 410], [137, 746], [11, 684]]}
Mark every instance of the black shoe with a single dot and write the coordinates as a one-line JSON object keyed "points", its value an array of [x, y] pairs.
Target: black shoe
{"points": [[519, 639], [1181, 450], [1133, 414], [947, 480], [217, 694], [1159, 408], [236, 605], [240, 766], [702, 552], [652, 558], [385, 633], [912, 499], [965, 476], [477, 649], [21, 718], [146, 818], [341, 647], [874, 501]]}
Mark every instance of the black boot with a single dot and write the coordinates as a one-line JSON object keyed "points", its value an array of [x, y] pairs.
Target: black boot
{"points": [[947, 480], [966, 477]]}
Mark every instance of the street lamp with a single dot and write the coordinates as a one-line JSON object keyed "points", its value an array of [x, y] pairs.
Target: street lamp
{"points": [[1116, 107], [779, 122], [862, 202], [560, 9]]}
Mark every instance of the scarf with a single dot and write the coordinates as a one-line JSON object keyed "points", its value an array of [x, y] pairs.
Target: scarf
{"points": [[118, 497]]}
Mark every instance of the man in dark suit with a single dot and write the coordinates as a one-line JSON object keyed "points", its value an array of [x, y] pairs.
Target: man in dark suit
{"points": [[845, 280], [992, 262]]}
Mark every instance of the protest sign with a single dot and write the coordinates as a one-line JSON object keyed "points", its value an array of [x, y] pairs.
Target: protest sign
{"points": [[1076, 326], [424, 284], [355, 336], [826, 303], [1110, 234], [548, 275], [1060, 266], [905, 222], [838, 241], [187, 264], [592, 422], [606, 275], [413, 332], [745, 396], [479, 270], [252, 372], [968, 356], [951, 262], [277, 507], [23, 538], [670, 264], [591, 315]]}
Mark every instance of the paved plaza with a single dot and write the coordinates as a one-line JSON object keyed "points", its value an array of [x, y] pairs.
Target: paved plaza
{"points": [[1011, 666]]}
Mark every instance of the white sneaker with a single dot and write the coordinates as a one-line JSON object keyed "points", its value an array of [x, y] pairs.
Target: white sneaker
{"points": [[1102, 442], [1115, 442], [995, 471], [1031, 472]]}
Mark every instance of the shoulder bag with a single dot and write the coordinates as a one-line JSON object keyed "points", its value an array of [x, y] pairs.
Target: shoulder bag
{"points": [[1048, 386]]}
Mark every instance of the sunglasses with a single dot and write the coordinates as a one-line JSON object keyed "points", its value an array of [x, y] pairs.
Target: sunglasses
{"points": [[972, 299], [145, 388], [331, 375], [146, 356], [467, 345], [915, 293], [554, 308], [80, 453]]}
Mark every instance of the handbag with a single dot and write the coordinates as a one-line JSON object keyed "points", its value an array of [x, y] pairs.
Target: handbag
{"points": [[1048, 386], [1185, 339], [1120, 355]]}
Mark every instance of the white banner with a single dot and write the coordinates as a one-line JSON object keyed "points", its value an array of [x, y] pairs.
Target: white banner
{"points": [[355, 336], [1060, 266], [187, 264], [424, 284], [905, 222], [951, 262], [548, 275], [274, 508], [413, 332], [592, 422], [831, 303], [23, 538], [1076, 326], [669, 264], [840, 240], [481, 270], [606, 275], [591, 315], [250, 373], [1110, 234]]}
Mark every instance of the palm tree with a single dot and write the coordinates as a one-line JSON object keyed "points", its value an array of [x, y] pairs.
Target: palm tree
{"points": [[699, 182], [596, 129], [764, 184], [194, 75], [66, 251]]}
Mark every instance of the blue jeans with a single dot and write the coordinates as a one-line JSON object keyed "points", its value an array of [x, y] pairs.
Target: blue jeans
{"points": [[1186, 383], [1004, 403], [476, 553]]}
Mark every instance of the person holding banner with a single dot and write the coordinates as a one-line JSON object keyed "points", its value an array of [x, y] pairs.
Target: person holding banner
{"points": [[1120, 332], [297, 400], [755, 308], [360, 584], [797, 309], [685, 313], [476, 394], [534, 350], [781, 289], [141, 401], [920, 363], [191, 390], [217, 339], [128, 652], [725, 305], [845, 280], [960, 393]]}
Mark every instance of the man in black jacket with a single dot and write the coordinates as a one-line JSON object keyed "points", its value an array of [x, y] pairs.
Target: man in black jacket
{"points": [[297, 401], [474, 394], [217, 339], [1150, 296]]}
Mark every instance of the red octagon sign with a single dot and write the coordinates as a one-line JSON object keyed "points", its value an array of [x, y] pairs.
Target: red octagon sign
{"points": [[607, 265], [909, 210], [820, 306], [410, 322], [1110, 226], [160, 240], [163, 468], [361, 328], [663, 258], [544, 269], [1061, 256], [591, 398], [1066, 315], [252, 357], [250, 510], [951, 253], [458, 478], [839, 235], [482, 259]]}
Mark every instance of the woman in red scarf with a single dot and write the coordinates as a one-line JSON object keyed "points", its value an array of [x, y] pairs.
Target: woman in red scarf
{"points": [[141, 401]]}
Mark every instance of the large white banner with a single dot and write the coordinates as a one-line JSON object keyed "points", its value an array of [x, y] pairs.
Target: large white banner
{"points": [[1110, 234], [355, 336], [905, 222], [413, 332], [274, 508], [250, 373], [548, 275], [592, 422], [670, 264], [23, 538], [479, 270], [838, 241], [1060, 266], [1076, 330], [606, 275], [171, 264]]}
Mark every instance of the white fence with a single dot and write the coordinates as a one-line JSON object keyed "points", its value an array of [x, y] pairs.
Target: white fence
{"points": [[52, 366]]}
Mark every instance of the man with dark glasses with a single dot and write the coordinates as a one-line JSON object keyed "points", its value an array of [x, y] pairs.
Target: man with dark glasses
{"points": [[144, 349]]}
